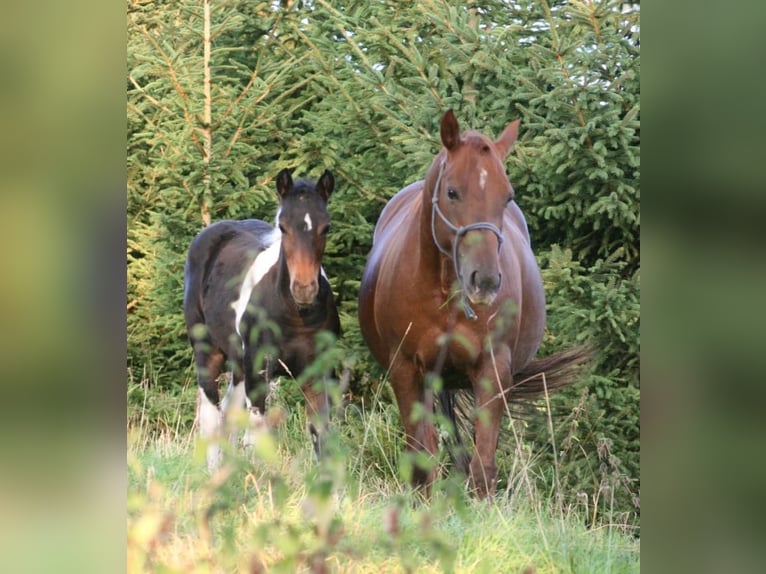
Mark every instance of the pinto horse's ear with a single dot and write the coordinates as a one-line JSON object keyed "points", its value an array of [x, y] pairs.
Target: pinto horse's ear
{"points": [[450, 130], [506, 140], [325, 185], [284, 182]]}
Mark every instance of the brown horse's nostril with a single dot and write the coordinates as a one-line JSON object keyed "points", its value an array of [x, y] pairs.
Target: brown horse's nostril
{"points": [[488, 284]]}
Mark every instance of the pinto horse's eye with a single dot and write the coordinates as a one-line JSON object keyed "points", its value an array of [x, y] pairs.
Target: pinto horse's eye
{"points": [[283, 229], [452, 193], [509, 200]]}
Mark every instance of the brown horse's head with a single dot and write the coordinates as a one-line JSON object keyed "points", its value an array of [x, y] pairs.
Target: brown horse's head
{"points": [[304, 222], [470, 192]]}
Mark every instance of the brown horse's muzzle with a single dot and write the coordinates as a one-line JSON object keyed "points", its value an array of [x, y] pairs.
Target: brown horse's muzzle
{"points": [[482, 288], [480, 275]]}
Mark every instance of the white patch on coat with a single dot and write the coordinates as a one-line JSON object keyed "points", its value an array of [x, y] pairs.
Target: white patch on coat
{"points": [[265, 260], [309, 225], [209, 417], [482, 178]]}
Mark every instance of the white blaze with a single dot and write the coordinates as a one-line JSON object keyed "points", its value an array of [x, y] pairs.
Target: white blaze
{"points": [[482, 178], [307, 219]]}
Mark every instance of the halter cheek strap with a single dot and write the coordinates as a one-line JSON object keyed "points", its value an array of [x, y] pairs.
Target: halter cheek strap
{"points": [[459, 233]]}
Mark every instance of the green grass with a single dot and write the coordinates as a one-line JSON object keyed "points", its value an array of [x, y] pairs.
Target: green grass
{"points": [[276, 510]]}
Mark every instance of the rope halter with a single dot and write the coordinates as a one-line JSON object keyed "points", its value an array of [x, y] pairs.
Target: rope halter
{"points": [[459, 233]]}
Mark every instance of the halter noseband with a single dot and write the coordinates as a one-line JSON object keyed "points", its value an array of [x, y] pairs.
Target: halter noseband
{"points": [[459, 233]]}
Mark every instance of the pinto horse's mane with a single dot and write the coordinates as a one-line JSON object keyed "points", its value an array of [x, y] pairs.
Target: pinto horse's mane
{"points": [[303, 186]]}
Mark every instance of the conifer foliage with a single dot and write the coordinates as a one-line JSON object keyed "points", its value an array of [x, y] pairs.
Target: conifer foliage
{"points": [[222, 95]]}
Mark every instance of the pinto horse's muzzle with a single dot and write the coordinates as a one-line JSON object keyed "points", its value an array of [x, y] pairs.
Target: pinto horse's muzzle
{"points": [[304, 269], [304, 293]]}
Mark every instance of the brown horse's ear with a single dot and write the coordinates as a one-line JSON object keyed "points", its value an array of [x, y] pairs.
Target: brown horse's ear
{"points": [[506, 140], [325, 185], [450, 131], [284, 182]]}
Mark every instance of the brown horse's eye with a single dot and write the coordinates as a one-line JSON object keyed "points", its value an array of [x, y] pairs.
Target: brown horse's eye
{"points": [[325, 230], [452, 193], [283, 229], [509, 200]]}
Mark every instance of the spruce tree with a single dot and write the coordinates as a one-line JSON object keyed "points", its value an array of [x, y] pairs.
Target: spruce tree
{"points": [[359, 88]]}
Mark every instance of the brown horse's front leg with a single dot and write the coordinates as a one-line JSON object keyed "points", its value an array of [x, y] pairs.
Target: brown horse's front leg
{"points": [[490, 408], [420, 434]]}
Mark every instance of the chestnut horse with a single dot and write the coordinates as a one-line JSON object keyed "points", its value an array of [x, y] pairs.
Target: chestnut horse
{"points": [[255, 297], [452, 287]]}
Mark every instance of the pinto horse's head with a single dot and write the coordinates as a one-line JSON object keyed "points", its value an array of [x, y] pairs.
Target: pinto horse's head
{"points": [[304, 222], [469, 197]]}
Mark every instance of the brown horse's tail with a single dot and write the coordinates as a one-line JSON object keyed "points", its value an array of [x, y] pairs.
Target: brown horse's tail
{"points": [[549, 373]]}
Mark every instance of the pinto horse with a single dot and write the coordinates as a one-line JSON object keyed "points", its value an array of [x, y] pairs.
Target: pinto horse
{"points": [[451, 287], [250, 290]]}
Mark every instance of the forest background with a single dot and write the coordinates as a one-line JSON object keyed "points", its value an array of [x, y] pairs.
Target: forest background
{"points": [[221, 96]]}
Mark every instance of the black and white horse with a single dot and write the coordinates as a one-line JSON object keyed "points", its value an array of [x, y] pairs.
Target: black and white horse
{"points": [[255, 297]]}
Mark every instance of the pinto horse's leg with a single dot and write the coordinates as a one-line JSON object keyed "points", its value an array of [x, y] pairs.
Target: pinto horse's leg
{"points": [[490, 407], [256, 424], [233, 404], [209, 364], [420, 435], [256, 390], [317, 412]]}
